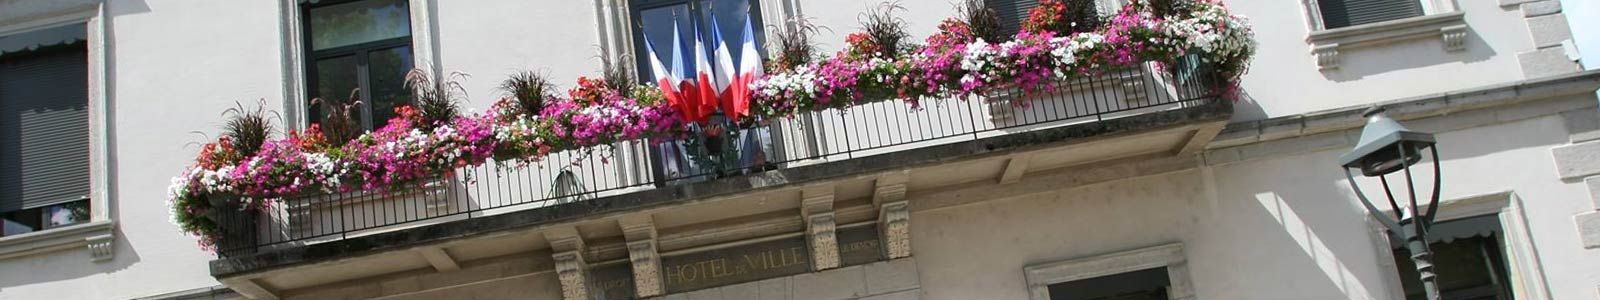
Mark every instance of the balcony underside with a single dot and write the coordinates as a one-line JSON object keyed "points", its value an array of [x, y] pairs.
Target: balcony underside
{"points": [[732, 208]]}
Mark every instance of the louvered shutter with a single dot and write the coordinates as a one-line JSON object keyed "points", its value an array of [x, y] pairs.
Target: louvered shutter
{"points": [[1344, 13], [1012, 13], [44, 127]]}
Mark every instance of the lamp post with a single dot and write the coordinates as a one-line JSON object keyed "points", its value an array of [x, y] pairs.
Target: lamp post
{"points": [[1386, 148]]}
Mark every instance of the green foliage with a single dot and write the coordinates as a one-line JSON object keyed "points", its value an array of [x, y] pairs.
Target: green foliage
{"points": [[437, 99], [339, 124], [885, 30], [247, 129], [794, 45], [529, 90]]}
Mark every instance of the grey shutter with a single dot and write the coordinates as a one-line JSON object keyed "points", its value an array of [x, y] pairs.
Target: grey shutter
{"points": [[1344, 13], [44, 127], [1012, 13]]}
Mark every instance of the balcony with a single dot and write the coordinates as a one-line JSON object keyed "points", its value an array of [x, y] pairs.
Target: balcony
{"points": [[1129, 113]]}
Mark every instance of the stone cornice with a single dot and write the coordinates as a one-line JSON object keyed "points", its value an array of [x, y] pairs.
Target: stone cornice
{"points": [[1345, 118]]}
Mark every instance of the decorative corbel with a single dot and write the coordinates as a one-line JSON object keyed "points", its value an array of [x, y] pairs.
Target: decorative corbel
{"points": [[816, 207], [640, 232], [1327, 56], [571, 269], [1455, 37], [101, 247], [894, 215]]}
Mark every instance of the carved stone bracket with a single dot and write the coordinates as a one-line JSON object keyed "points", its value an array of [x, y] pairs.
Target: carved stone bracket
{"points": [[572, 272], [895, 219], [1327, 56], [640, 231], [646, 268], [824, 243], [816, 208], [101, 247], [894, 215], [1455, 37], [571, 269]]}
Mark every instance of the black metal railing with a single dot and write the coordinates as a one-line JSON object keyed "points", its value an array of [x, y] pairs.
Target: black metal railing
{"points": [[864, 130]]}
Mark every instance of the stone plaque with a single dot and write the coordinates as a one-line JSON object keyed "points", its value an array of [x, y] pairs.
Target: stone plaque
{"points": [[611, 281], [859, 245], [735, 265]]}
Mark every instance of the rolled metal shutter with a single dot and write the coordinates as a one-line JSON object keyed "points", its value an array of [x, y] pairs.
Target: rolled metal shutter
{"points": [[44, 126], [1345, 13]]}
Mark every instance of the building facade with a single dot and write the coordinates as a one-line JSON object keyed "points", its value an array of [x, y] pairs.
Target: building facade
{"points": [[1141, 183]]}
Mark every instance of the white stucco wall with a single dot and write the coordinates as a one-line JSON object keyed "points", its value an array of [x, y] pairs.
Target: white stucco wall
{"points": [[1265, 229]]}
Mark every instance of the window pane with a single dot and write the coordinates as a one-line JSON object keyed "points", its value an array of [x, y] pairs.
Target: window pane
{"points": [[657, 24], [1466, 257], [358, 22], [67, 214], [388, 74], [20, 222], [336, 79], [1147, 284], [730, 17]]}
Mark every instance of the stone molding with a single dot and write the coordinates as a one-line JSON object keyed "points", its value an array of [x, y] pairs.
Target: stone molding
{"points": [[1326, 45], [98, 237], [1171, 256], [1514, 98]]}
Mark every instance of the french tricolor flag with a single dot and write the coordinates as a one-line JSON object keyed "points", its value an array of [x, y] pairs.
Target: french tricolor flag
{"points": [[706, 100], [725, 69], [669, 79], [749, 70]]}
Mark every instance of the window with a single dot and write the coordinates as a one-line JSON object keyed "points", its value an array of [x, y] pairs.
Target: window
{"points": [[1159, 272], [654, 20], [44, 129], [1468, 256], [1147, 284], [1345, 13], [361, 48]]}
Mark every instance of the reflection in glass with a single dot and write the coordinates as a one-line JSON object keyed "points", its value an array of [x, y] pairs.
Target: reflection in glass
{"points": [[68, 213], [335, 80], [388, 73], [19, 222], [358, 22], [657, 24], [730, 19]]}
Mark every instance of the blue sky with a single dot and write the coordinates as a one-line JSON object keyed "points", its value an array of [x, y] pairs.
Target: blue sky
{"points": [[1584, 18]]}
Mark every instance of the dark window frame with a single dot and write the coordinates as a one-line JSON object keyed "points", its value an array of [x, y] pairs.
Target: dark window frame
{"points": [[644, 74], [1495, 253], [362, 53], [636, 30]]}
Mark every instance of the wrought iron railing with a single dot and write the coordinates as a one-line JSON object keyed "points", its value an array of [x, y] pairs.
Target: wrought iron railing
{"points": [[832, 135]]}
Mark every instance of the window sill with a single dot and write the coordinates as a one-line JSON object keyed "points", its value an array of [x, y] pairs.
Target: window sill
{"points": [[1326, 44], [97, 236]]}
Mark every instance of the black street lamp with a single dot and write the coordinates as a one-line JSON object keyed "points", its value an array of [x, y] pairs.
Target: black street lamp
{"points": [[1385, 148]]}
